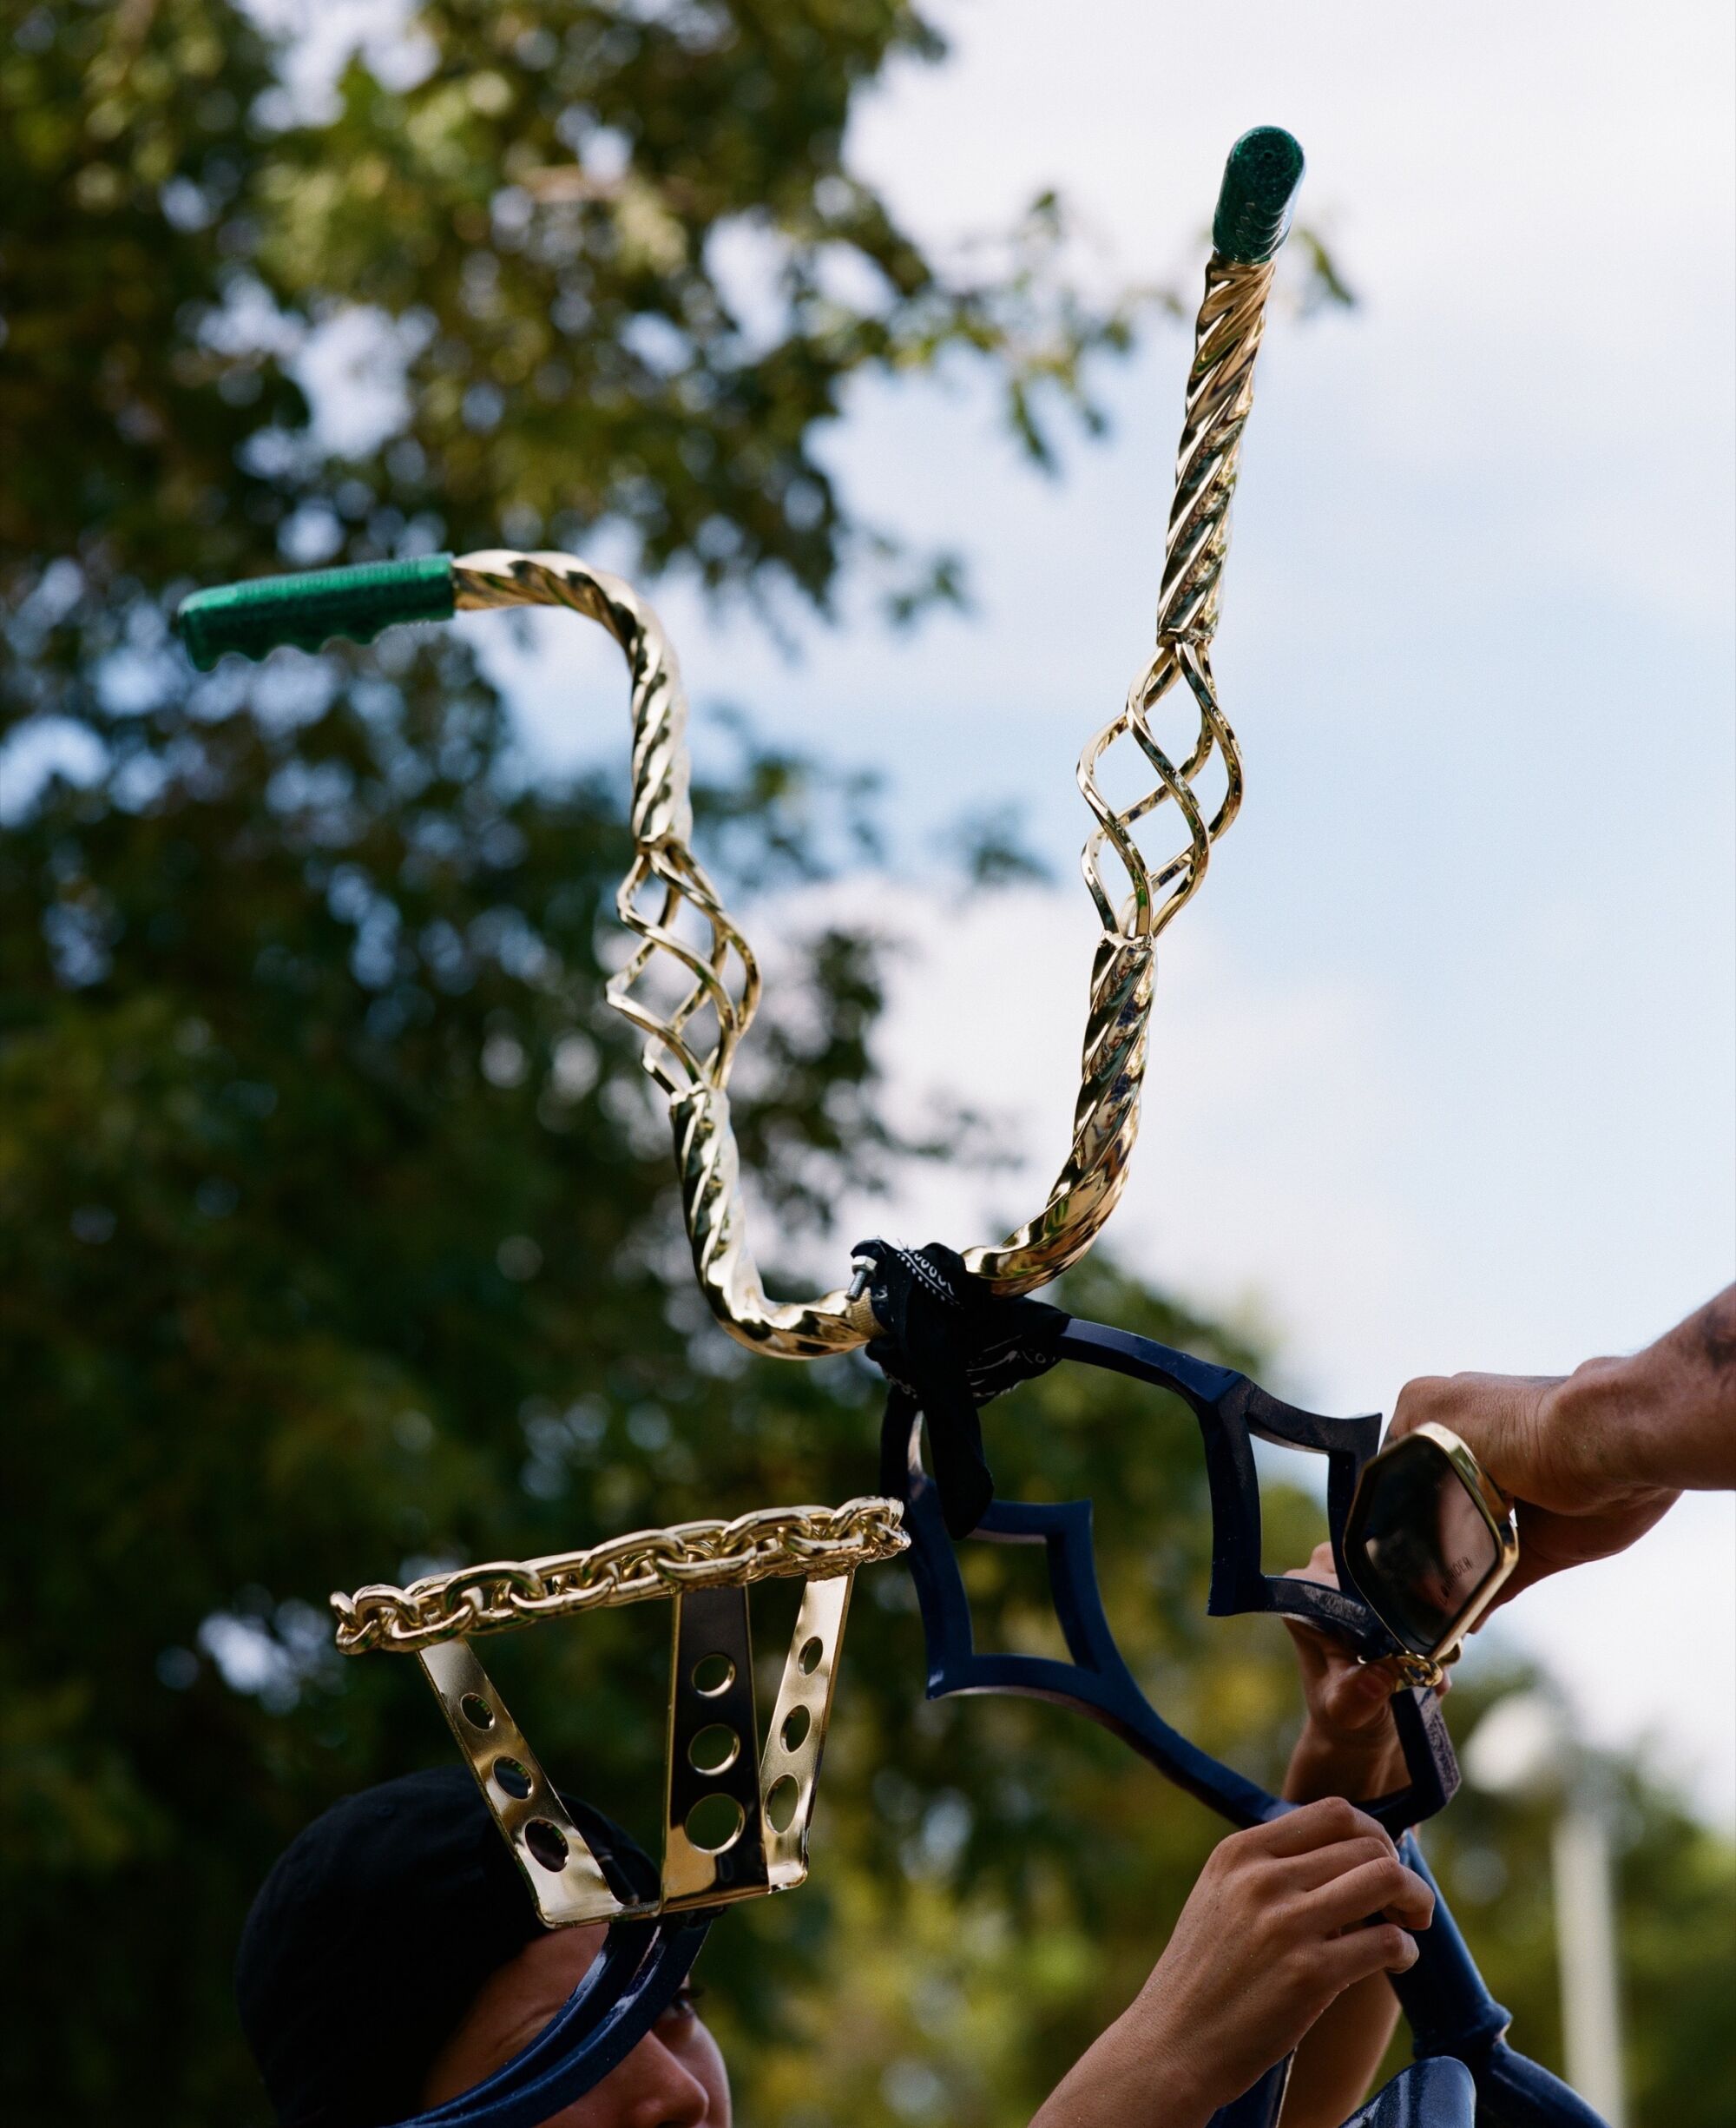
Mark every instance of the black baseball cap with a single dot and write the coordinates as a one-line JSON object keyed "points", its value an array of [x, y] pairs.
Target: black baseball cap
{"points": [[374, 1932]]}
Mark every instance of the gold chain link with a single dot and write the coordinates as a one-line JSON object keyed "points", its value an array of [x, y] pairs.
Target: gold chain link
{"points": [[770, 1543], [1422, 1669]]}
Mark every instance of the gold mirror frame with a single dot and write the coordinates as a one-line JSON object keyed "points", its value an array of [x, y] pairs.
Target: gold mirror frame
{"points": [[1495, 1512]]}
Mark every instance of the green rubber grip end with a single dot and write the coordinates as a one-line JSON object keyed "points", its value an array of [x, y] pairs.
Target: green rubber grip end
{"points": [[309, 609], [1261, 180]]}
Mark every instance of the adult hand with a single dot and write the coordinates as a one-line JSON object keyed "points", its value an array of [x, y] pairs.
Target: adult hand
{"points": [[1564, 1447], [1349, 1744], [1276, 1928]]}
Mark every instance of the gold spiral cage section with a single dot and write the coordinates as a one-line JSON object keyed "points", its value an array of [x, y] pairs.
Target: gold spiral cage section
{"points": [[1112, 1066], [691, 985]]}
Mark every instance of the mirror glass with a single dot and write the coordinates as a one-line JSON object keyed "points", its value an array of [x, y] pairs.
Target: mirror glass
{"points": [[1418, 1543]]}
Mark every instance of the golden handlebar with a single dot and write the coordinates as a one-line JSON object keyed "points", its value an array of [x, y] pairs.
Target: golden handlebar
{"points": [[691, 984]]}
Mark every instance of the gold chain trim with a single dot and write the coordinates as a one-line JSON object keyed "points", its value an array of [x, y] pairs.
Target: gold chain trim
{"points": [[770, 1543]]}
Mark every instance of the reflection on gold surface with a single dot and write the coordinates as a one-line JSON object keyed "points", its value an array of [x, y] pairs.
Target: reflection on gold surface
{"points": [[735, 1817], [691, 984]]}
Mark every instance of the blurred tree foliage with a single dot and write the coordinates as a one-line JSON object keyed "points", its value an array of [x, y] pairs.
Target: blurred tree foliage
{"points": [[336, 1229]]}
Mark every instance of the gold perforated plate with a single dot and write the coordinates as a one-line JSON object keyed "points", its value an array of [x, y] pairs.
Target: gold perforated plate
{"points": [[736, 1814], [736, 1818]]}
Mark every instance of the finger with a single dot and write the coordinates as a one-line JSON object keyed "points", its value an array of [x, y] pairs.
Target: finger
{"points": [[1321, 1567], [1322, 1645], [1496, 1416], [1384, 1947], [1315, 1825], [1351, 1697], [1385, 1887], [1416, 1401], [1470, 1405], [1307, 1872], [1362, 1689], [1311, 1648], [1549, 1542]]}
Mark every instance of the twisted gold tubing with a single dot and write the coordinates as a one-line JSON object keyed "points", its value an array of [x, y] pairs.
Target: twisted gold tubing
{"points": [[1112, 1072], [665, 881]]}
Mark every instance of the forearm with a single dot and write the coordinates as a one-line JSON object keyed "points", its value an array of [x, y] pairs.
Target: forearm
{"points": [[1336, 2062], [1359, 1767], [1663, 1418], [1126, 2079], [1269, 1939]]}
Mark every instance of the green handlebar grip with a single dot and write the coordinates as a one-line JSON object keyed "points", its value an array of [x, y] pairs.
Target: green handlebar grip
{"points": [[1260, 182], [308, 610]]}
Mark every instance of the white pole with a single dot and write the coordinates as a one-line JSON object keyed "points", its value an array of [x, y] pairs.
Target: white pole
{"points": [[1585, 1936]]}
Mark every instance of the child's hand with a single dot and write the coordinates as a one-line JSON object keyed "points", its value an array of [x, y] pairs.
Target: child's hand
{"points": [[1276, 1930], [1348, 1745]]}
